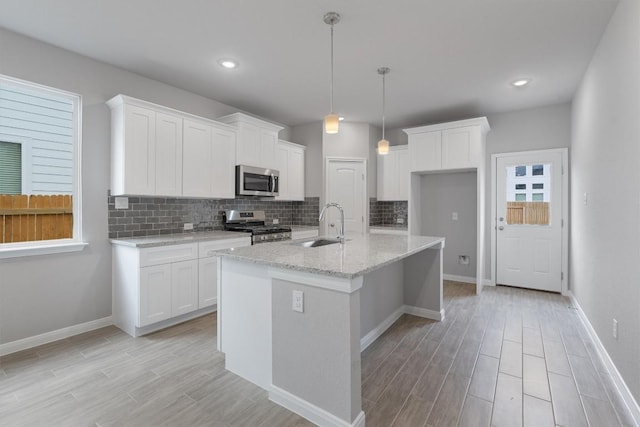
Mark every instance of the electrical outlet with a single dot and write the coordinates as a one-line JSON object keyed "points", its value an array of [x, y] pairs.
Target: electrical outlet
{"points": [[276, 221], [454, 216], [188, 226], [298, 301], [400, 221], [463, 259], [122, 203], [585, 198], [615, 328]]}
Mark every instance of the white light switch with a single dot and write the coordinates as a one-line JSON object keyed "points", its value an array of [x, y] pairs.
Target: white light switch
{"points": [[298, 301], [454, 216]]}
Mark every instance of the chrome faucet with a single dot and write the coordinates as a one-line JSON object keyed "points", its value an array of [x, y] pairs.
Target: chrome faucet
{"points": [[335, 205]]}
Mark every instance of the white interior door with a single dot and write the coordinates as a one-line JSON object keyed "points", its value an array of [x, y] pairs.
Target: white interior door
{"points": [[346, 186], [529, 221]]}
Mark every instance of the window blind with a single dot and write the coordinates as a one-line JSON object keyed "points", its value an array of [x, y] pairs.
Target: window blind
{"points": [[10, 168]]}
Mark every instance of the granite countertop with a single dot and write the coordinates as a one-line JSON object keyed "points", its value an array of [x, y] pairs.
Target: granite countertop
{"points": [[176, 239], [357, 256], [390, 226]]}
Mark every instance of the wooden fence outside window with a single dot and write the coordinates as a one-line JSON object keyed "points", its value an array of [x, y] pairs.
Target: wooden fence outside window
{"points": [[30, 218], [529, 213]]}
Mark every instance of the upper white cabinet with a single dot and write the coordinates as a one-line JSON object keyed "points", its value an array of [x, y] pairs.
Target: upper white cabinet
{"points": [[447, 146], [393, 174], [157, 151], [290, 163], [256, 144], [146, 149], [209, 155]]}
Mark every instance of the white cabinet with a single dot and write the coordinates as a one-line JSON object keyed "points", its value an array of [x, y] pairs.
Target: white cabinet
{"points": [[447, 146], [256, 144], [146, 149], [393, 174], [290, 164], [159, 286], [209, 152], [208, 268]]}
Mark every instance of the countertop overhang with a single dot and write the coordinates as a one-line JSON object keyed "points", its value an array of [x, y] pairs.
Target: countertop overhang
{"points": [[355, 257]]}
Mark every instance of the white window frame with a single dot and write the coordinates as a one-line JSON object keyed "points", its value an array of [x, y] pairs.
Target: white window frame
{"points": [[43, 247]]}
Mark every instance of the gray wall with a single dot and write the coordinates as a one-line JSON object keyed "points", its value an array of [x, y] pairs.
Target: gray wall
{"points": [[443, 194], [605, 150], [310, 135], [45, 293]]}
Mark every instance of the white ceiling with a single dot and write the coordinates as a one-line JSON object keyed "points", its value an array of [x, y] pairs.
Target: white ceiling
{"points": [[449, 59]]}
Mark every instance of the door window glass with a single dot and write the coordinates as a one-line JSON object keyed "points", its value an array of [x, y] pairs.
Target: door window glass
{"points": [[524, 206]]}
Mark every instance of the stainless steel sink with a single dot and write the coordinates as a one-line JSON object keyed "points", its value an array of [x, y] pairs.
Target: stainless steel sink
{"points": [[317, 242]]}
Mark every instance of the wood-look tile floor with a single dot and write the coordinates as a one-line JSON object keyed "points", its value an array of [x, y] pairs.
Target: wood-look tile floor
{"points": [[508, 357]]}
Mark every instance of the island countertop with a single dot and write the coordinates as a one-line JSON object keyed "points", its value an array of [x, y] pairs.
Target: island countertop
{"points": [[357, 256]]}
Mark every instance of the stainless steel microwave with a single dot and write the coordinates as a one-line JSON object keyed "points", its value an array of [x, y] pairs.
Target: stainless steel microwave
{"points": [[252, 181]]}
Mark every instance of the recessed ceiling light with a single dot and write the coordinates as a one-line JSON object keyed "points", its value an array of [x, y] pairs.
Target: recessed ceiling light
{"points": [[521, 82], [228, 63], [341, 118]]}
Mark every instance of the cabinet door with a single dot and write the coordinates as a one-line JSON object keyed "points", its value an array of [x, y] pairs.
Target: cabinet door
{"points": [[461, 147], [197, 175], [155, 294], [223, 168], [139, 151], [402, 165], [168, 155], [296, 173], [268, 148], [282, 164], [207, 282], [184, 287], [248, 145], [425, 151], [387, 176]]}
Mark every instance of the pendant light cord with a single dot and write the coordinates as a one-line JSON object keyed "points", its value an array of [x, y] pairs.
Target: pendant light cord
{"points": [[331, 85], [383, 102]]}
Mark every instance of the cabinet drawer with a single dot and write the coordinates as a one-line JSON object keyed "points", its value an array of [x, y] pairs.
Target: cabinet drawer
{"points": [[207, 248], [168, 254]]}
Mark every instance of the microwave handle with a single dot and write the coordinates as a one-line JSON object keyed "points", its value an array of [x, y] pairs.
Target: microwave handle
{"points": [[271, 183]]}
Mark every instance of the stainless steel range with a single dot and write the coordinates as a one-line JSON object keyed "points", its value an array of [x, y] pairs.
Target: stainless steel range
{"points": [[253, 222]]}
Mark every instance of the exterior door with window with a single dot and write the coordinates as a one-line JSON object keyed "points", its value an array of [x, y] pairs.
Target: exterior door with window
{"points": [[529, 221]]}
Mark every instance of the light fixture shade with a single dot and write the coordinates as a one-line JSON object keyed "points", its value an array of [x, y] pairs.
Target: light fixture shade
{"points": [[331, 123], [383, 147]]}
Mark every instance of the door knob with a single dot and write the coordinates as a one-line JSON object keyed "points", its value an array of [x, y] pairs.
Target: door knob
{"points": [[501, 228], [332, 225]]}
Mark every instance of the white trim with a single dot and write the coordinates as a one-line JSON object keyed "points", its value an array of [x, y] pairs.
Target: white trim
{"points": [[59, 334], [463, 279], [424, 312], [620, 385], [365, 189], [376, 332], [310, 411], [43, 247], [564, 214], [332, 283], [478, 121]]}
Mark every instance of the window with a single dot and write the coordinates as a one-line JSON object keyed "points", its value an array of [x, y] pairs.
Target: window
{"points": [[537, 186], [10, 168], [537, 197], [537, 170], [521, 197], [521, 170], [39, 169], [521, 186]]}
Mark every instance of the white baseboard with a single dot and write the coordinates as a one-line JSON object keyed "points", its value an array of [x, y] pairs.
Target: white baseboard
{"points": [[463, 279], [624, 391], [310, 411], [26, 343], [488, 282], [423, 312], [375, 333]]}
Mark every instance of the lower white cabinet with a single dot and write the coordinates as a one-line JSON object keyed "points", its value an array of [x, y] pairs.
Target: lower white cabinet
{"points": [[159, 286]]}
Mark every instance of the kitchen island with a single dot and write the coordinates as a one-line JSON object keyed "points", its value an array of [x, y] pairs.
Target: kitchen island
{"points": [[294, 319]]}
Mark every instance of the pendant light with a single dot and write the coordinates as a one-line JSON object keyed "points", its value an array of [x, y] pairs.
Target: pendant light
{"points": [[383, 144], [331, 120]]}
